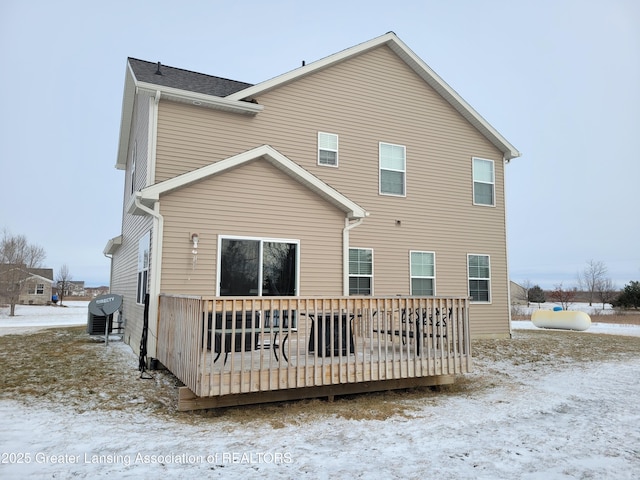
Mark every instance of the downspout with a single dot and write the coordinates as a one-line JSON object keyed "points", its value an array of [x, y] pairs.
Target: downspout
{"points": [[110, 257], [345, 253], [156, 268], [158, 225], [506, 241]]}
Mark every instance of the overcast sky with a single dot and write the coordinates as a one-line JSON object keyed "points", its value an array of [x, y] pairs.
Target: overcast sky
{"points": [[560, 79]]}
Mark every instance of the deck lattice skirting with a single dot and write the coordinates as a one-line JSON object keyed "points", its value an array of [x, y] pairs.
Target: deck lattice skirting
{"points": [[281, 344]]}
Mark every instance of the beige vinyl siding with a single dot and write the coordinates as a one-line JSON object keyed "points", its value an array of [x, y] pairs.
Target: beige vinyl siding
{"points": [[255, 200], [372, 98]]}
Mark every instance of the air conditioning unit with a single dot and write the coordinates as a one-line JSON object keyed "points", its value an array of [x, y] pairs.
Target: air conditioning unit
{"points": [[96, 324]]}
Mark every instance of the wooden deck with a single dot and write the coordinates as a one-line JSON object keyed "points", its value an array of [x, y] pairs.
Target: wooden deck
{"points": [[324, 346]]}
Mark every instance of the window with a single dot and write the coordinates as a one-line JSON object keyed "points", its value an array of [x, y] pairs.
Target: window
{"points": [[423, 273], [483, 182], [392, 169], [360, 271], [134, 156], [143, 267], [255, 266], [327, 149], [36, 289], [479, 278]]}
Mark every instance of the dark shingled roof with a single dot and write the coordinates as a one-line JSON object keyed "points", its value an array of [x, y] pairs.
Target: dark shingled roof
{"points": [[43, 272], [184, 79]]}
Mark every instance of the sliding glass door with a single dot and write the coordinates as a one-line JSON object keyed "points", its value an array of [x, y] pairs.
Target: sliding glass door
{"points": [[255, 266]]}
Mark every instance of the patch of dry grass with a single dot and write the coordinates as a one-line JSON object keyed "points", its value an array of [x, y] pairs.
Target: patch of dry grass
{"points": [[627, 318], [624, 318], [67, 368]]}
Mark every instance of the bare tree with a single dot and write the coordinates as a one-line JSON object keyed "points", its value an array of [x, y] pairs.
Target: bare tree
{"points": [[606, 291], [594, 273], [63, 279], [17, 256], [564, 297]]}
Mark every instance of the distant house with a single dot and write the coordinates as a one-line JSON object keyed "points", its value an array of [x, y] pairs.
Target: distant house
{"points": [[519, 294], [73, 288], [95, 291], [37, 287], [362, 175], [33, 286]]}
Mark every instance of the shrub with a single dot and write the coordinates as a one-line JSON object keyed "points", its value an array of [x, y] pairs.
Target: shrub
{"points": [[630, 296]]}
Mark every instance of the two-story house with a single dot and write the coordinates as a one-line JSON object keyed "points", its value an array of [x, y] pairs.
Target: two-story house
{"points": [[361, 175]]}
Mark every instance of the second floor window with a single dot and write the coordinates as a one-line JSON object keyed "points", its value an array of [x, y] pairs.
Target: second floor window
{"points": [[483, 182], [392, 169], [327, 149]]}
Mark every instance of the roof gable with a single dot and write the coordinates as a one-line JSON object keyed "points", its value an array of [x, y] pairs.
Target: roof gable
{"points": [[26, 273], [425, 72], [177, 85], [42, 272], [208, 91], [40, 277], [148, 196]]}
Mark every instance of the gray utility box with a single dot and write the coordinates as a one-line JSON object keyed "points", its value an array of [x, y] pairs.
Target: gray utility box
{"points": [[96, 323]]}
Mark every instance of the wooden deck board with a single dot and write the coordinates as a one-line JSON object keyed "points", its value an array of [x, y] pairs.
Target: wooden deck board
{"points": [[444, 347], [258, 371]]}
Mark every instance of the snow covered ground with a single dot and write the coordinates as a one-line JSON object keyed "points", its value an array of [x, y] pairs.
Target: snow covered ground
{"points": [[579, 421], [35, 317]]}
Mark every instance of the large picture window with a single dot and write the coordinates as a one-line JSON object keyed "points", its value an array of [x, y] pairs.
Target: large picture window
{"points": [[392, 169], [479, 278], [360, 271], [143, 267], [423, 273], [483, 182], [258, 267]]}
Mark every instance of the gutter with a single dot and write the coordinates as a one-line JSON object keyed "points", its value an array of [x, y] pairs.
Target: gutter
{"points": [[201, 99]]}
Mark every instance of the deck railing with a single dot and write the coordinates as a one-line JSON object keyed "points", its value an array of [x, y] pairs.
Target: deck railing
{"points": [[221, 346]]}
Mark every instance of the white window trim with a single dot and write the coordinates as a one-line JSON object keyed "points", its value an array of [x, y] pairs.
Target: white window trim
{"points": [[412, 276], [349, 275], [134, 158], [479, 278], [404, 186], [329, 150], [141, 280], [260, 271], [473, 180]]}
